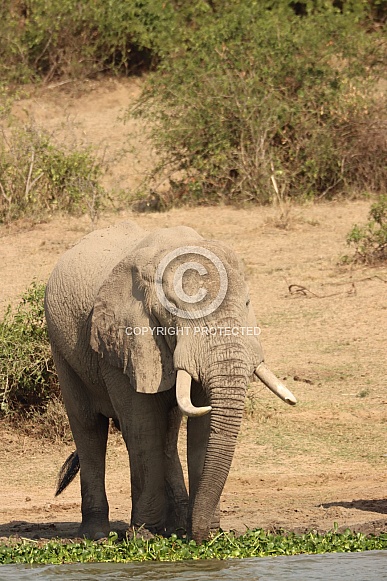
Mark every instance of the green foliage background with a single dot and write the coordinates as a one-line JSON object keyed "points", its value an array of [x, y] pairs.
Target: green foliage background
{"points": [[246, 100], [27, 377], [69, 37], [259, 103]]}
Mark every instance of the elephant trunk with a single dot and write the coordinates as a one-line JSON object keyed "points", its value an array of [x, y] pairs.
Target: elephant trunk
{"points": [[226, 397]]}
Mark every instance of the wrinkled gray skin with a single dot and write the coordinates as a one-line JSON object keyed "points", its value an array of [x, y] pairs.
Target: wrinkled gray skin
{"points": [[103, 285]]}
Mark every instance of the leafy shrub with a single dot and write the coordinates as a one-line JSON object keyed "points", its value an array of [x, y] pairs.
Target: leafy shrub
{"points": [[261, 104], [43, 39], [370, 240], [36, 175], [27, 378]]}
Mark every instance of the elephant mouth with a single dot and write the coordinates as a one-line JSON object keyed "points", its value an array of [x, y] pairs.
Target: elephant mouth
{"points": [[268, 378]]}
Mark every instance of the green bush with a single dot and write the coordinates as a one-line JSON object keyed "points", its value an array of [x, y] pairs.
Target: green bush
{"points": [[41, 39], [27, 377], [260, 104], [370, 240], [37, 175]]}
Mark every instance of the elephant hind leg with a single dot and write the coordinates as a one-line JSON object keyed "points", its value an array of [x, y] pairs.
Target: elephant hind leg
{"points": [[90, 431], [91, 447]]}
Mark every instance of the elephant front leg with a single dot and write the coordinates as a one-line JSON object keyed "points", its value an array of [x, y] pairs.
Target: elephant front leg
{"points": [[176, 492], [144, 428]]}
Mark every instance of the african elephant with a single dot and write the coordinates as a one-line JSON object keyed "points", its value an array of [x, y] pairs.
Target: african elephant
{"points": [[145, 327]]}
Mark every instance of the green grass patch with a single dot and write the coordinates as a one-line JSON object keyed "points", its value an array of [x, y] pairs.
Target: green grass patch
{"points": [[255, 543], [327, 427]]}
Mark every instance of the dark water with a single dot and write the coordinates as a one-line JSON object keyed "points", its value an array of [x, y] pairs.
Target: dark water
{"points": [[367, 566]]}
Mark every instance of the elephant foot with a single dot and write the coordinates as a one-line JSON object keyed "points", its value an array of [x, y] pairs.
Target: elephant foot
{"points": [[146, 522], [176, 521], [94, 529], [140, 532], [180, 532]]}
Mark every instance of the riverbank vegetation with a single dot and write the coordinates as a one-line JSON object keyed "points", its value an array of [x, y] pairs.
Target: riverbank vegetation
{"points": [[256, 543]]}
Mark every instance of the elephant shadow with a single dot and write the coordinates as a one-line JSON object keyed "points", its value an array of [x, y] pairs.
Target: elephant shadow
{"points": [[51, 530], [368, 505]]}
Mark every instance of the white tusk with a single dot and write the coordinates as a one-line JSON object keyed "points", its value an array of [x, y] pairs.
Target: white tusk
{"points": [[273, 383], [183, 396]]}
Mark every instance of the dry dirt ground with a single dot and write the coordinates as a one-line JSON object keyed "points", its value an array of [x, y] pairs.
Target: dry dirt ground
{"points": [[303, 467]]}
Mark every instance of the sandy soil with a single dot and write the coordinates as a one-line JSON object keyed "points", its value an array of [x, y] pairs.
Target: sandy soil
{"points": [[307, 467]]}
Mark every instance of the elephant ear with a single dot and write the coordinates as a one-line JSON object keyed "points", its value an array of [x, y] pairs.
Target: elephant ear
{"points": [[121, 332]]}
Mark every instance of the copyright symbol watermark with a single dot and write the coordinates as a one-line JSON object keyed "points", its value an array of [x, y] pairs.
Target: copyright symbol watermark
{"points": [[177, 284]]}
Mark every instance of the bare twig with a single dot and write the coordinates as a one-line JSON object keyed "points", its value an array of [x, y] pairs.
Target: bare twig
{"points": [[297, 289], [7, 198], [324, 193], [55, 85], [43, 51], [36, 180], [275, 185], [28, 182], [371, 277]]}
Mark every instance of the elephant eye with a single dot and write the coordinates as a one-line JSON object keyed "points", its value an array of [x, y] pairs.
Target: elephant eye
{"points": [[247, 302]]}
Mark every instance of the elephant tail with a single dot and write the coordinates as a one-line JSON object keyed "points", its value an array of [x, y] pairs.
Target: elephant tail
{"points": [[68, 472]]}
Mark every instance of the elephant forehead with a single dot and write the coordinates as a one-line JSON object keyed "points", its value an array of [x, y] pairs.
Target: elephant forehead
{"points": [[185, 251], [164, 238]]}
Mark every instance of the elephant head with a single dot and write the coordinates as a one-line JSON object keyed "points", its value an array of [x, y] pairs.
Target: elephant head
{"points": [[176, 312]]}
